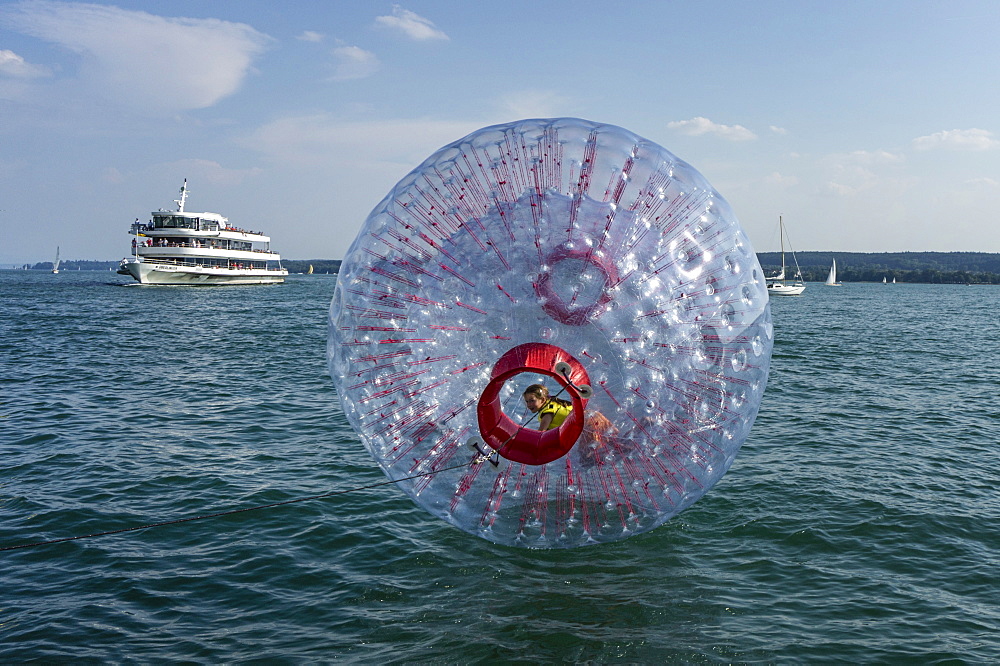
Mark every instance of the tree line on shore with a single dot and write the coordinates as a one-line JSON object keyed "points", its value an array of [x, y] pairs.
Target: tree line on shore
{"points": [[321, 266], [72, 265], [923, 267]]}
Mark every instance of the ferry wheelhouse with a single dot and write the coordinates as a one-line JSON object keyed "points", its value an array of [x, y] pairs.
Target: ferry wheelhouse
{"points": [[178, 247]]}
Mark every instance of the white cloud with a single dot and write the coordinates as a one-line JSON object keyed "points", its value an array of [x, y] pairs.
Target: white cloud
{"points": [[413, 25], [984, 183], [331, 172], [531, 104], [112, 175], [781, 131], [352, 62], [15, 66], [850, 174], [780, 180], [208, 171], [698, 126], [968, 139], [307, 141], [310, 36], [141, 59], [866, 157]]}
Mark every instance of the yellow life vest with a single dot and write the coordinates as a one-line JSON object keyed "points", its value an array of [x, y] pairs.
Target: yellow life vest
{"points": [[558, 411]]}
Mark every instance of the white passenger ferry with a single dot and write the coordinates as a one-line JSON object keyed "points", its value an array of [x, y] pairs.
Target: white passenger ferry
{"points": [[178, 247]]}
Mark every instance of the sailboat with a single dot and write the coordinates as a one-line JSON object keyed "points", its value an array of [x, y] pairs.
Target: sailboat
{"points": [[310, 271], [831, 279], [55, 264], [778, 285]]}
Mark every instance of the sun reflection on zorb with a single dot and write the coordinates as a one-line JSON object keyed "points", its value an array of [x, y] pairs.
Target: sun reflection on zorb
{"points": [[570, 253]]}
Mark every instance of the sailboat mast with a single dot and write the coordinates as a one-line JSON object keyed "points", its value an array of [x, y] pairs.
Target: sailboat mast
{"points": [[781, 236]]}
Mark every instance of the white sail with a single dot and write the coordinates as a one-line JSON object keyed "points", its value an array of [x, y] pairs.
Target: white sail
{"points": [[55, 264], [831, 279]]}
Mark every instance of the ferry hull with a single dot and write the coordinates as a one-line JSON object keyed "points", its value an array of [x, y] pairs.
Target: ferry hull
{"points": [[166, 274]]}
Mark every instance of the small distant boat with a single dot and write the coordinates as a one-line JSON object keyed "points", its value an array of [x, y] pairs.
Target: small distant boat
{"points": [[894, 280], [778, 285], [883, 281], [831, 279], [310, 271], [55, 264], [179, 247]]}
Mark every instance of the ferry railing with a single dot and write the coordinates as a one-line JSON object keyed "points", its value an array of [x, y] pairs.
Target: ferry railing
{"points": [[191, 264]]}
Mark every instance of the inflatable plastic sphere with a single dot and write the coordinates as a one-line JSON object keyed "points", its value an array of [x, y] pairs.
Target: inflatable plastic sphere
{"points": [[566, 253]]}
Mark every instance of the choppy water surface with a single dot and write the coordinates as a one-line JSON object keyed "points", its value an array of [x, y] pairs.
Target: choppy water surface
{"points": [[860, 523]]}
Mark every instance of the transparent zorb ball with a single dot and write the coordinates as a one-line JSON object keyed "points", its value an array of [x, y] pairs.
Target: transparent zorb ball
{"points": [[572, 254]]}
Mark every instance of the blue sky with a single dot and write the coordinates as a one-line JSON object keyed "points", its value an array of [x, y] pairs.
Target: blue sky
{"points": [[870, 126]]}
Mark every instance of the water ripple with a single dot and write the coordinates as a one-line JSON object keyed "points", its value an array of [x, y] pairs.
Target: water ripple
{"points": [[859, 523]]}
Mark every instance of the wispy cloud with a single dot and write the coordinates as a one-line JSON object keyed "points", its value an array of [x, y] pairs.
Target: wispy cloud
{"points": [[699, 126], [967, 139], [323, 139], [984, 183], [851, 174], [532, 104], [136, 58], [208, 171], [781, 131], [413, 25], [780, 180], [16, 67], [310, 36], [353, 62], [864, 158]]}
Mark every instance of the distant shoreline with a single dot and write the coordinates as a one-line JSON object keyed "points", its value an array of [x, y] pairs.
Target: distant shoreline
{"points": [[917, 267], [910, 267]]}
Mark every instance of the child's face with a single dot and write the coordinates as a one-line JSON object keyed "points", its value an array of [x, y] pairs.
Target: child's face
{"points": [[533, 402]]}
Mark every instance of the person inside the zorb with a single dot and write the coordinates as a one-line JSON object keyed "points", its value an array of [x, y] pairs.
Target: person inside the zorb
{"points": [[550, 410]]}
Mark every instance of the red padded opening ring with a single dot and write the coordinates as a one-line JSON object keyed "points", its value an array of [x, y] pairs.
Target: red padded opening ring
{"points": [[520, 443]]}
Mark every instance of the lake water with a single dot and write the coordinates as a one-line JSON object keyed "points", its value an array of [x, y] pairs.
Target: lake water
{"points": [[860, 522]]}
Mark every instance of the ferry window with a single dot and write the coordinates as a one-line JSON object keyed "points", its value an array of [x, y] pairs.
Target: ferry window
{"points": [[176, 222]]}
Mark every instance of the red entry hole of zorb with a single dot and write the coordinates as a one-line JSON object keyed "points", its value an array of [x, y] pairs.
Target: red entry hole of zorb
{"points": [[573, 254], [524, 444]]}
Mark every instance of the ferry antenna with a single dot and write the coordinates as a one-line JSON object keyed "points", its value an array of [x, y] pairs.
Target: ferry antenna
{"points": [[184, 195]]}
